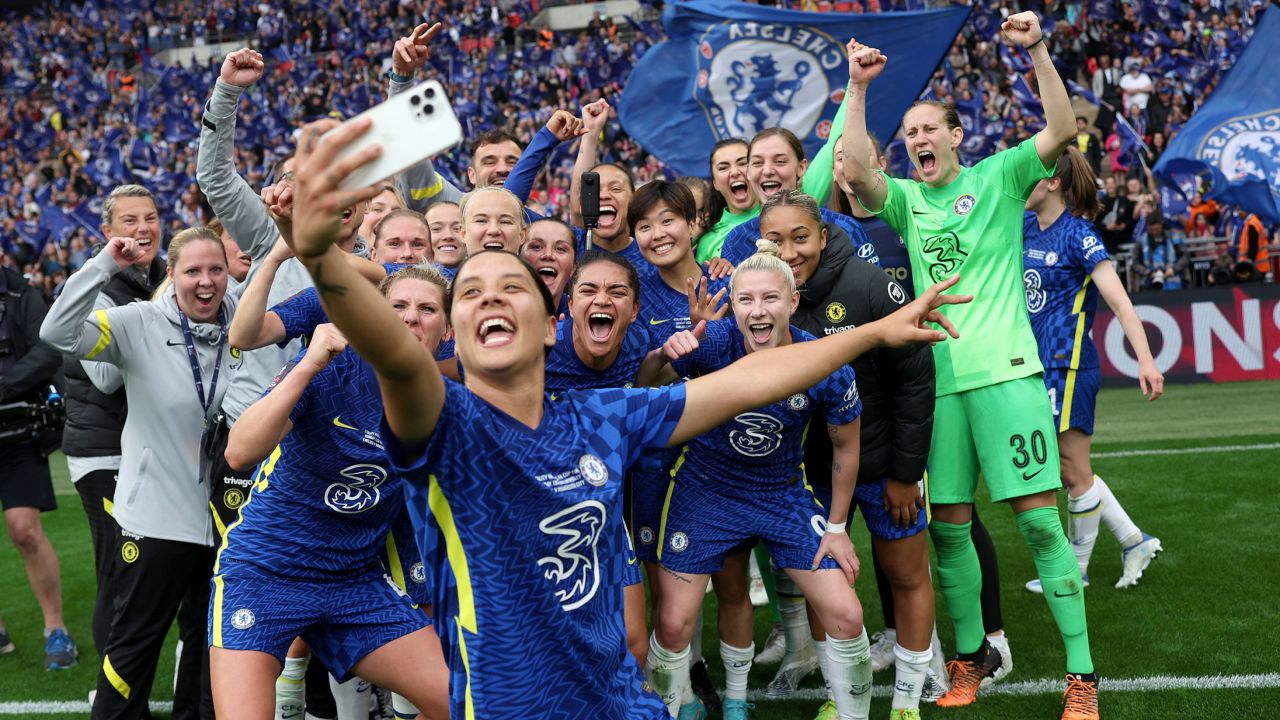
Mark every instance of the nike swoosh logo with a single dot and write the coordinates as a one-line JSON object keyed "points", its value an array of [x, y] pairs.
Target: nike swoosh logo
{"points": [[920, 212], [171, 343], [655, 321], [1026, 477], [337, 420], [1070, 594]]}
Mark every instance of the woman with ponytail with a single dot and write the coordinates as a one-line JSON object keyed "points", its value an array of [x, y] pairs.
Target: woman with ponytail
{"points": [[1066, 268]]}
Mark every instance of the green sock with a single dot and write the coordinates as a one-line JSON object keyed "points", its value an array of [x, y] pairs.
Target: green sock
{"points": [[960, 578], [1060, 578], [764, 561]]}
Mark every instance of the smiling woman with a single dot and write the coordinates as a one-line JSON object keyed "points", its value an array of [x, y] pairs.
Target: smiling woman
{"points": [[175, 361], [552, 470], [492, 219]]}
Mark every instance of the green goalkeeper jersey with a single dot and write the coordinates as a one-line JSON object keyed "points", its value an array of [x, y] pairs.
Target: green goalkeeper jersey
{"points": [[973, 226]]}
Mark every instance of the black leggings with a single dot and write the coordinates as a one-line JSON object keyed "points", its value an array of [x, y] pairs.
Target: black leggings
{"points": [[992, 618]]}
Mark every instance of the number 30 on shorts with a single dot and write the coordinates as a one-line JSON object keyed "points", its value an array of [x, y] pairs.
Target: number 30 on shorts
{"points": [[1039, 449]]}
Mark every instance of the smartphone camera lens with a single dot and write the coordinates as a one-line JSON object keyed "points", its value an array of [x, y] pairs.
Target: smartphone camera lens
{"points": [[430, 93], [429, 109], [415, 100]]}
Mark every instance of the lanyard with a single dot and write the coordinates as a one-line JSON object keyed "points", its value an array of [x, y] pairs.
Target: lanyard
{"points": [[195, 360]]}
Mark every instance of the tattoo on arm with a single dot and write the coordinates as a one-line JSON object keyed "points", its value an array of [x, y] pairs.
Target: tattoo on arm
{"points": [[325, 288], [836, 467]]}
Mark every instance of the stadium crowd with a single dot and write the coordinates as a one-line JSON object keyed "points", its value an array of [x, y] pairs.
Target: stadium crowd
{"points": [[369, 537], [77, 122]]}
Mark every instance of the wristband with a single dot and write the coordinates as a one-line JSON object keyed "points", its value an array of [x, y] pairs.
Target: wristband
{"points": [[836, 527], [394, 76], [1041, 40]]}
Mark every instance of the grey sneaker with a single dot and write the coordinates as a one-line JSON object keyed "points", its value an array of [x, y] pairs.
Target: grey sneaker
{"points": [[59, 651], [793, 671]]}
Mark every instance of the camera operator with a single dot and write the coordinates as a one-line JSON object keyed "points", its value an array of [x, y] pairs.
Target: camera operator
{"points": [[27, 369]]}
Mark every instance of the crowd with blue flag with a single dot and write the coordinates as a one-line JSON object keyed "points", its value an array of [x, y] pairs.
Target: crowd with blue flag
{"points": [[85, 109]]}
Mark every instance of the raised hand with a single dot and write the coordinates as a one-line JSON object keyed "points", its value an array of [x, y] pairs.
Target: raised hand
{"points": [[327, 343], [703, 306], [1022, 29], [595, 115], [411, 53], [865, 63], [683, 342], [907, 324], [279, 201], [318, 201], [243, 67], [565, 126], [718, 267], [124, 250]]}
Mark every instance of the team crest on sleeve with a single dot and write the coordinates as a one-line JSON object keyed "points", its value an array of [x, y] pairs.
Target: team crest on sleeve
{"points": [[752, 76], [798, 402], [896, 293], [964, 204], [835, 312], [574, 569], [1246, 148], [243, 619], [593, 470]]}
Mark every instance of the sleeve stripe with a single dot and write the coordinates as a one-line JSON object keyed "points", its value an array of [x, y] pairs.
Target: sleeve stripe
{"points": [[430, 191], [104, 335]]}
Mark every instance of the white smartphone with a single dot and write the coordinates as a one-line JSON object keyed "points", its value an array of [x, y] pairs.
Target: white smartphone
{"points": [[415, 124]]}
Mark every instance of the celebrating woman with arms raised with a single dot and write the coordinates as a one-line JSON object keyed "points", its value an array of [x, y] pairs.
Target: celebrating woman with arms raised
{"points": [[526, 490]]}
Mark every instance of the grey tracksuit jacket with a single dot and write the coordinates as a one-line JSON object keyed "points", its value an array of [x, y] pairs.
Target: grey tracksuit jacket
{"points": [[159, 493]]}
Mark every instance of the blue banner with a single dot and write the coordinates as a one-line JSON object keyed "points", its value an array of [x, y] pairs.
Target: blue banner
{"points": [[731, 69], [1234, 138]]}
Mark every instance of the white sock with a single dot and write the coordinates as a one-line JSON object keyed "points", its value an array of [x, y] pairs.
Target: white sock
{"points": [[403, 709], [668, 673], [1083, 515], [737, 665], [1116, 519], [753, 567], [291, 687], [824, 664], [851, 675], [909, 667], [351, 698], [695, 642]]}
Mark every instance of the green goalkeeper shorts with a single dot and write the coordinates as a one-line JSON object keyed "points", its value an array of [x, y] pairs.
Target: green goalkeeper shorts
{"points": [[1005, 431]]}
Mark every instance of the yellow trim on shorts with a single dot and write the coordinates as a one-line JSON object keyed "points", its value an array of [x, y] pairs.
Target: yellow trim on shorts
{"points": [[114, 678], [469, 708], [104, 338], [108, 506], [217, 611], [430, 191], [1068, 393], [260, 484], [928, 506], [666, 504]]}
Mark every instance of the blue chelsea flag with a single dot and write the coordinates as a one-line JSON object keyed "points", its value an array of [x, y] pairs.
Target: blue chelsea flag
{"points": [[732, 69], [1234, 138]]}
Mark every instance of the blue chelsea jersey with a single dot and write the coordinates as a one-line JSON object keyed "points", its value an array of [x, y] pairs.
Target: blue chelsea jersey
{"points": [[531, 520], [764, 447], [566, 371], [1061, 297], [321, 505], [665, 311]]}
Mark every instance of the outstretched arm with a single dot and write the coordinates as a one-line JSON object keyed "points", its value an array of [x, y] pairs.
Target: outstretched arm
{"points": [[1023, 29], [594, 117], [867, 182], [412, 388], [249, 443], [768, 376], [253, 327], [1112, 290]]}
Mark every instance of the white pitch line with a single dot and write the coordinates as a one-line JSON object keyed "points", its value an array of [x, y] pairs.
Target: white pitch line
{"points": [[1046, 686], [1055, 686], [1186, 451]]}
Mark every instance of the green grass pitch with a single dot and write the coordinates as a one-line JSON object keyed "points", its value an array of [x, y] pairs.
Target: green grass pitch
{"points": [[1201, 610]]}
